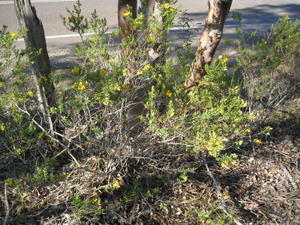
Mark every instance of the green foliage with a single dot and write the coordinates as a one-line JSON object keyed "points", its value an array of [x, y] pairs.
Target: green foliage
{"points": [[106, 79], [271, 51], [269, 66], [43, 174], [183, 177], [86, 207], [12, 62], [237, 16], [75, 22], [8, 50], [212, 215], [138, 189], [97, 80], [207, 118], [114, 185], [17, 132]]}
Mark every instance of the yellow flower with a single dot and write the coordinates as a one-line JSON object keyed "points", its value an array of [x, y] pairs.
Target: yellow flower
{"points": [[112, 60], [247, 131], [139, 72], [19, 151], [146, 68], [138, 22], [2, 127], [116, 184], [223, 59], [96, 201], [167, 6], [128, 13], [169, 93], [257, 141], [13, 35], [116, 87], [76, 70], [80, 86], [30, 94], [126, 72], [106, 101]]}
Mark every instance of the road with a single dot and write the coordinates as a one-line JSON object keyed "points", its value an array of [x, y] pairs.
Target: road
{"points": [[254, 12]]}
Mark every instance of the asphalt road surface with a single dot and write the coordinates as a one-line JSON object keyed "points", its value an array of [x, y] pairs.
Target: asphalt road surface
{"points": [[254, 12]]}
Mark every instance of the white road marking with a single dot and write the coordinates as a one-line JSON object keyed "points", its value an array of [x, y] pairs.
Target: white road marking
{"points": [[9, 2], [178, 28], [226, 25], [64, 36]]}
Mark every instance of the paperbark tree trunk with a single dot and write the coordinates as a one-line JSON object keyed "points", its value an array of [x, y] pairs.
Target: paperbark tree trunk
{"points": [[35, 40], [209, 40], [148, 6]]}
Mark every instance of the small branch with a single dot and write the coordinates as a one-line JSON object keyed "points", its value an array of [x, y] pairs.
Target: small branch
{"points": [[220, 196], [6, 204], [42, 128], [176, 143], [49, 134], [73, 157]]}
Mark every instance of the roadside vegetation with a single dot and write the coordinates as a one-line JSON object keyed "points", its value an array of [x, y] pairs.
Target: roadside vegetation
{"points": [[129, 143]]}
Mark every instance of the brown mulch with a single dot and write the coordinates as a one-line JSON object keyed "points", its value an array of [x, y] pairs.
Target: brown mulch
{"points": [[262, 189]]}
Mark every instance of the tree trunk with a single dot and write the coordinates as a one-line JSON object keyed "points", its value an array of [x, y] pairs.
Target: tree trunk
{"points": [[35, 40], [148, 6], [209, 40], [123, 7]]}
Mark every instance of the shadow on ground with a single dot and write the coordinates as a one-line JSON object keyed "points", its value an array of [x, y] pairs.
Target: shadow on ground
{"points": [[260, 14]]}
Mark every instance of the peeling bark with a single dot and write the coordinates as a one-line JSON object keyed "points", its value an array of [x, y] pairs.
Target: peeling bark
{"points": [[35, 40], [149, 8], [209, 40]]}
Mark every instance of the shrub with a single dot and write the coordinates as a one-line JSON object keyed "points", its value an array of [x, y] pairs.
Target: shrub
{"points": [[17, 133], [269, 67], [85, 207], [207, 118], [204, 119]]}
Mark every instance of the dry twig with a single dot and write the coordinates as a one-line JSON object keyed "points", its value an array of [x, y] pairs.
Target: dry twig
{"points": [[6, 204], [220, 196]]}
